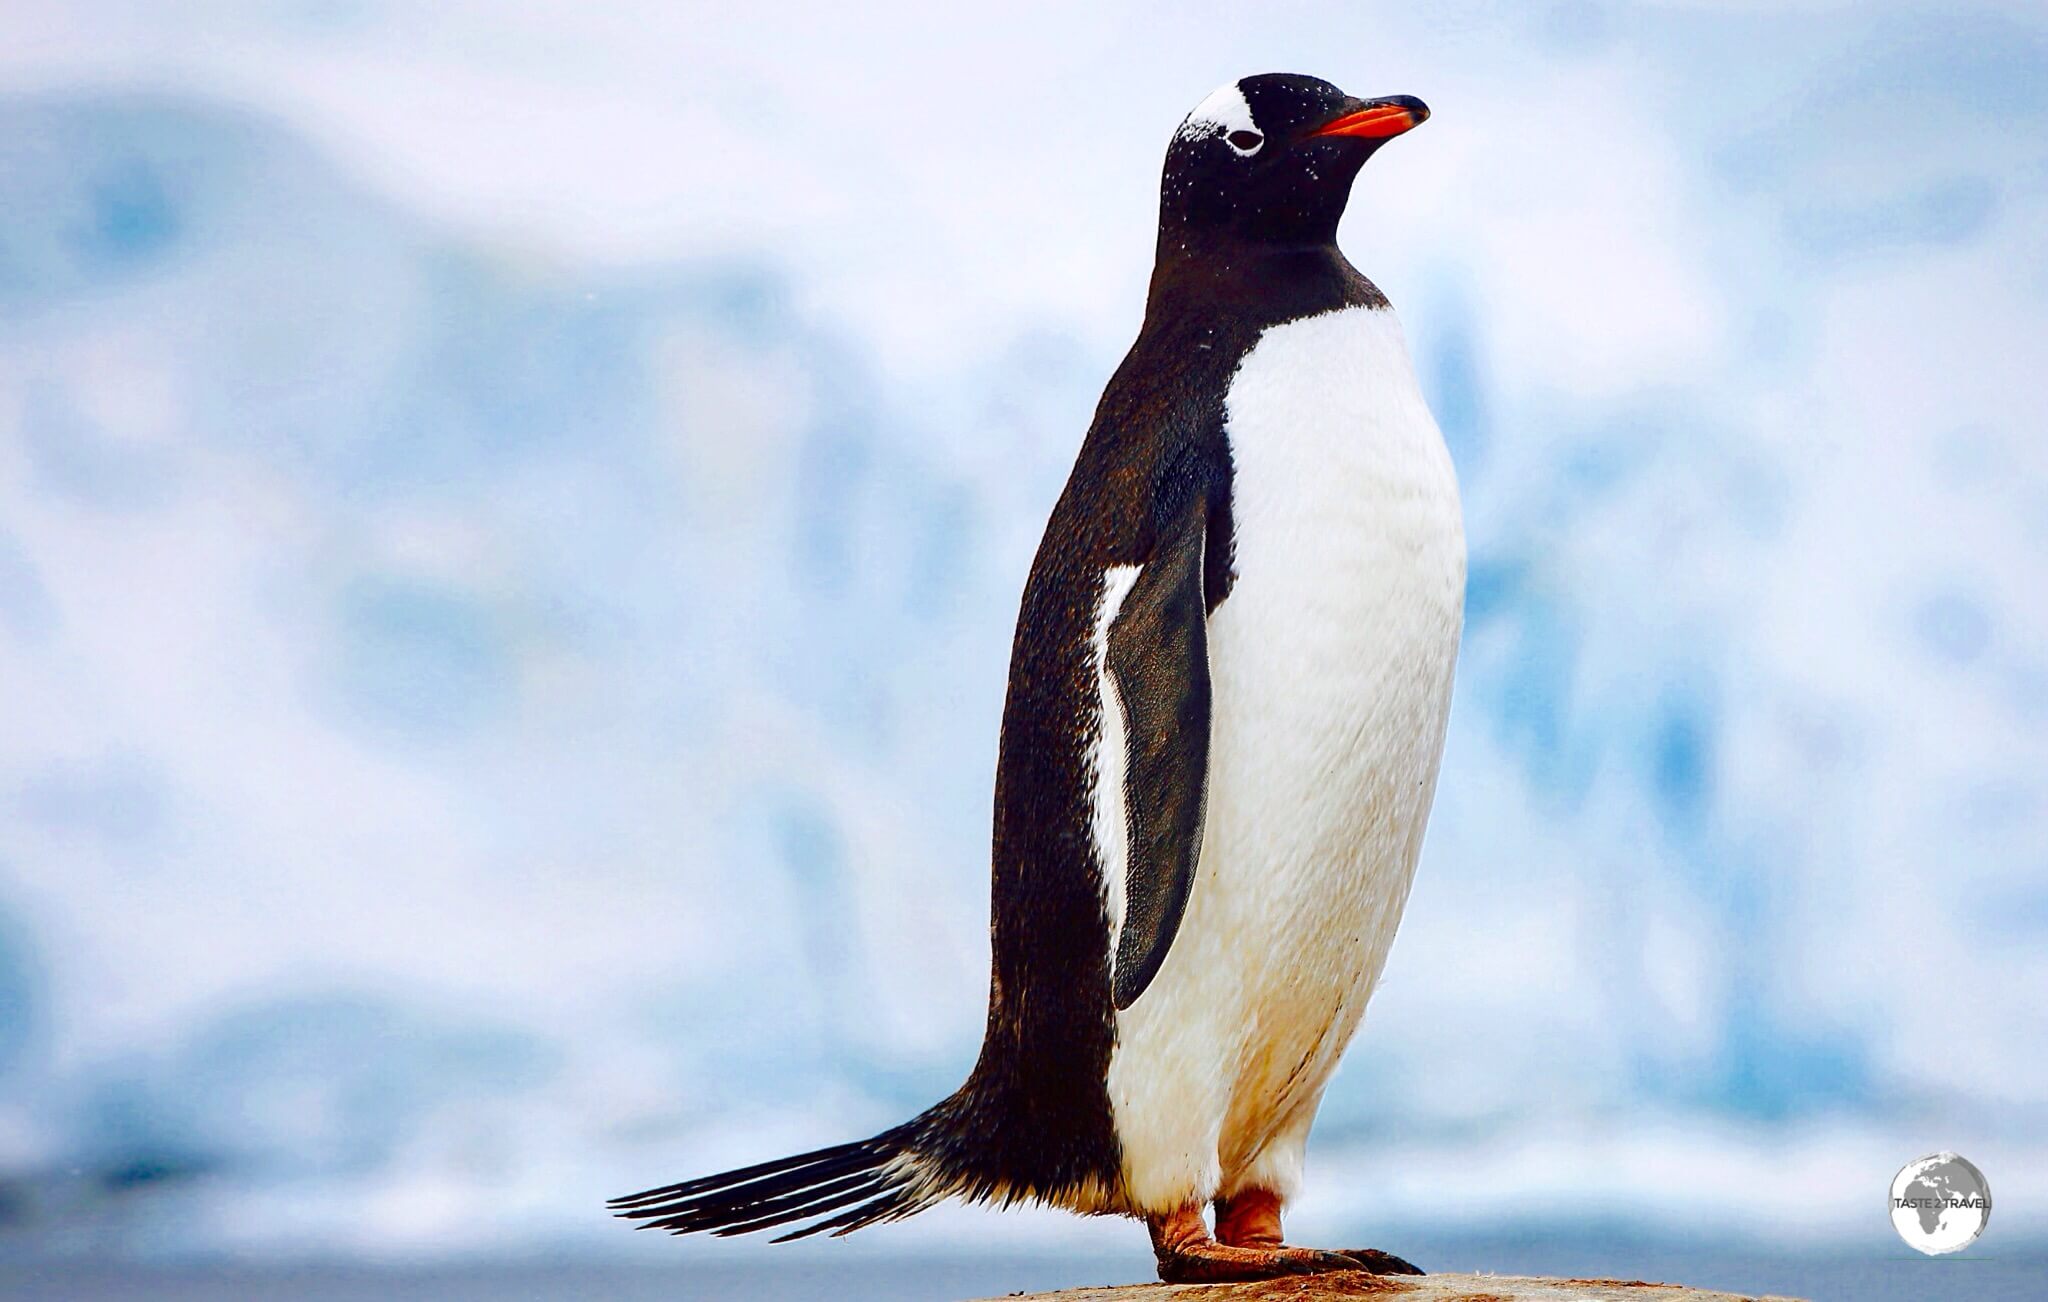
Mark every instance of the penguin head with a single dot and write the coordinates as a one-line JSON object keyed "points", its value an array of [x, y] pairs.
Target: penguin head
{"points": [[1270, 160]]}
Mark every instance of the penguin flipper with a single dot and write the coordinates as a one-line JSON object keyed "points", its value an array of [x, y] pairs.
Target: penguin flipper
{"points": [[1158, 654]]}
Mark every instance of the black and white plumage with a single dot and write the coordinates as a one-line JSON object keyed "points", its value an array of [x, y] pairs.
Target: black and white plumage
{"points": [[1226, 706]]}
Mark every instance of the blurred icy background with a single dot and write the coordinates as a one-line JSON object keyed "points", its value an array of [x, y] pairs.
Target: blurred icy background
{"points": [[510, 517]]}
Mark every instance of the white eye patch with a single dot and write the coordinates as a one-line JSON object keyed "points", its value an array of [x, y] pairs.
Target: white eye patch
{"points": [[1225, 113]]}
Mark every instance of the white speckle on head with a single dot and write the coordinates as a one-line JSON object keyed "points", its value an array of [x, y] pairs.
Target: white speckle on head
{"points": [[1223, 113]]}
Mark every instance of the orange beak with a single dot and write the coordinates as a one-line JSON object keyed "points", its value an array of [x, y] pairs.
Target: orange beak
{"points": [[1381, 119]]}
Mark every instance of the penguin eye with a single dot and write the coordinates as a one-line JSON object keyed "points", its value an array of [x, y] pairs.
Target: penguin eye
{"points": [[1245, 142]]}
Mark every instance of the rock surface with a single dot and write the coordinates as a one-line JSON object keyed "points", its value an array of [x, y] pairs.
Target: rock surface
{"points": [[1426, 1288]]}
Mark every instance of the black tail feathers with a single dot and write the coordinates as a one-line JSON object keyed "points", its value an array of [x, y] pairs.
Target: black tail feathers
{"points": [[849, 1186]]}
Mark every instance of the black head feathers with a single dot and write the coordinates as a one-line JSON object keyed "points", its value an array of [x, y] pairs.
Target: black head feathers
{"points": [[1270, 160]]}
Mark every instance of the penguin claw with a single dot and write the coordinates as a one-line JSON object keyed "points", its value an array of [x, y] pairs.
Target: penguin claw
{"points": [[1327, 1261], [1382, 1263]]}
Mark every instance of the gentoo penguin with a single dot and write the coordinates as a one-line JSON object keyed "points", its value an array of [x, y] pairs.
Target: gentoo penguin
{"points": [[1226, 706]]}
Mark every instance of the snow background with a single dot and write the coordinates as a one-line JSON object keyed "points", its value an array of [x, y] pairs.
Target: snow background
{"points": [[510, 517]]}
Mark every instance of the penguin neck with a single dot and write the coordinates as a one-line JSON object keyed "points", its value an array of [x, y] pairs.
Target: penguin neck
{"points": [[1268, 283]]}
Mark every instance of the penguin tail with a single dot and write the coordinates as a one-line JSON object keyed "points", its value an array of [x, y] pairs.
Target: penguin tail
{"points": [[839, 1189]]}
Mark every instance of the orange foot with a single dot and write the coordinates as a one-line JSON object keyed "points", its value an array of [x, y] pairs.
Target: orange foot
{"points": [[1251, 1219], [1187, 1255]]}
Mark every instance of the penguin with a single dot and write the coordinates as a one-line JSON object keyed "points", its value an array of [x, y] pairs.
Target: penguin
{"points": [[1226, 707]]}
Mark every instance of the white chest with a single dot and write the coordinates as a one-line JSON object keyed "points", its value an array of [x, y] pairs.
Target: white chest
{"points": [[1332, 657], [1343, 500], [1349, 549], [1330, 664]]}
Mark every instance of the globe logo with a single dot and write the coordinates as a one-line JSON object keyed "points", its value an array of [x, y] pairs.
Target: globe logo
{"points": [[1940, 1204]]}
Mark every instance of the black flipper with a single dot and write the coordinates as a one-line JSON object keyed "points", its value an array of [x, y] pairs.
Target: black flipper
{"points": [[1159, 659]]}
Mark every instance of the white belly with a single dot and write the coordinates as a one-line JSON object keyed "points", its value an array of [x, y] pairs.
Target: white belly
{"points": [[1331, 664]]}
